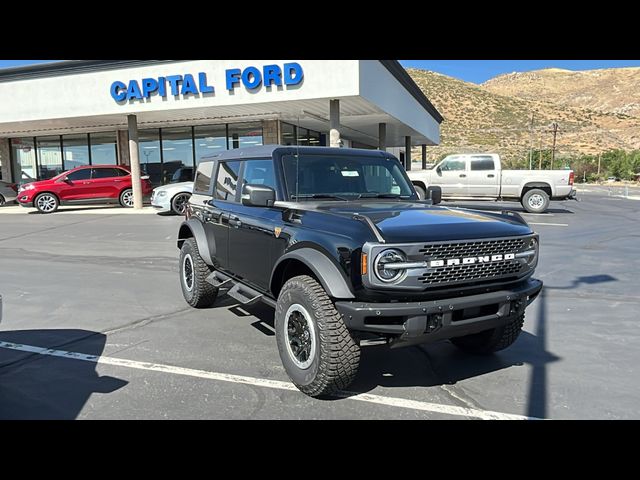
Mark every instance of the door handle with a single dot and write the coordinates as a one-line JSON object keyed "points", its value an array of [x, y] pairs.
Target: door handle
{"points": [[234, 222], [118, 181], [86, 183], [491, 175], [462, 175]]}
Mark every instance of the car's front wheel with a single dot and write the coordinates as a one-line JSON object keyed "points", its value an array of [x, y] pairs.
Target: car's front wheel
{"points": [[179, 203], [422, 194], [317, 351], [193, 276], [46, 202]]}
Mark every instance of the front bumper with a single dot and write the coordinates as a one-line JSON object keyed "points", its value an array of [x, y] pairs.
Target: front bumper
{"points": [[161, 204], [420, 322]]}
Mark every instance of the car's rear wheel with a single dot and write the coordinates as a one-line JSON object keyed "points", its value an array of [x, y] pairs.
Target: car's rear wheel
{"points": [[126, 198], [316, 348], [46, 202], [493, 340], [535, 201], [193, 276], [179, 203], [2, 201]]}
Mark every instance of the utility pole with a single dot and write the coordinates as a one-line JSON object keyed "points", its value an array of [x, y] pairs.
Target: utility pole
{"points": [[540, 153], [599, 156], [553, 151], [531, 143]]}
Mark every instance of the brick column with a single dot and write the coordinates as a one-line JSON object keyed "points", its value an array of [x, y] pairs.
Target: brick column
{"points": [[122, 142], [270, 132], [5, 160]]}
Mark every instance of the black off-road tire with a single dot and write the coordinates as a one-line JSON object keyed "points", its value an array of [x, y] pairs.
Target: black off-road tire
{"points": [[491, 341], [538, 204], [202, 294], [422, 194], [336, 353]]}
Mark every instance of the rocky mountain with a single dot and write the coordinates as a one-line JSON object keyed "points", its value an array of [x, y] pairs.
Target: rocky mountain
{"points": [[496, 116]]}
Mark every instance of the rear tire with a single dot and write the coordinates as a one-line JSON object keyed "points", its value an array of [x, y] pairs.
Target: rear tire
{"points": [[422, 194], [493, 340], [46, 202], [317, 351], [126, 198], [179, 203], [193, 274], [2, 201], [535, 201]]}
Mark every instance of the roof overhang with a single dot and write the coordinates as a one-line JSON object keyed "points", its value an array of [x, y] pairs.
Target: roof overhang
{"points": [[74, 96]]}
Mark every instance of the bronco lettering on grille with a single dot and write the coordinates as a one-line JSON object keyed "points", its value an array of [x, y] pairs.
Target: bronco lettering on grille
{"points": [[472, 260]]}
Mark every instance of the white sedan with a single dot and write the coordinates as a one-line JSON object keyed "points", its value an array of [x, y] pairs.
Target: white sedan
{"points": [[172, 197]]}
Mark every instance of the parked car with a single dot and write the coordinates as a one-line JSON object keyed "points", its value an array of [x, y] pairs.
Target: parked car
{"points": [[612, 179], [481, 177], [95, 184], [173, 197], [8, 192]]}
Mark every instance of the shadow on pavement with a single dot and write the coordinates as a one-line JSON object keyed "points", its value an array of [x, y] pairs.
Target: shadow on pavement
{"points": [[34, 386]]}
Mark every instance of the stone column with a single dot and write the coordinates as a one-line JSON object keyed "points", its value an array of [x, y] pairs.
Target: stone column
{"points": [[135, 161], [334, 123], [271, 132], [382, 136], [407, 153], [424, 156], [122, 142], [5, 160]]}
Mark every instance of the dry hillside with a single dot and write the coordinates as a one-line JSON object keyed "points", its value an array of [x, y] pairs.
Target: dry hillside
{"points": [[480, 120]]}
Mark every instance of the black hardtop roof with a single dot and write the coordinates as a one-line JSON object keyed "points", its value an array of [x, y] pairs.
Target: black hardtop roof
{"points": [[269, 150]]}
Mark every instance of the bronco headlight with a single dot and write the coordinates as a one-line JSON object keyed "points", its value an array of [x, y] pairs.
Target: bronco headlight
{"points": [[388, 265]]}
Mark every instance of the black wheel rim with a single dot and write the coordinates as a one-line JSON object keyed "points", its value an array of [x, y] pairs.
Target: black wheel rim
{"points": [[299, 336], [187, 272], [181, 203]]}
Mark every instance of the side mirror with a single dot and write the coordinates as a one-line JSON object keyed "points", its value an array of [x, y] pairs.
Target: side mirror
{"points": [[65, 179], [258, 195], [439, 170], [435, 194]]}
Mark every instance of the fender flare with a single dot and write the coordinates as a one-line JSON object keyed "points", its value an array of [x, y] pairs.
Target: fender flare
{"points": [[325, 271], [194, 229]]}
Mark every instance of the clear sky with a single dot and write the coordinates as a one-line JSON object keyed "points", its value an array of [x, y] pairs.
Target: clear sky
{"points": [[478, 71]]}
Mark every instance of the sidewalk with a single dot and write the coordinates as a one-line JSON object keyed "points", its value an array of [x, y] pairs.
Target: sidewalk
{"points": [[84, 210]]}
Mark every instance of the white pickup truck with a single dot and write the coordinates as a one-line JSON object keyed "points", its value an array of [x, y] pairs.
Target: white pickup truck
{"points": [[480, 177]]}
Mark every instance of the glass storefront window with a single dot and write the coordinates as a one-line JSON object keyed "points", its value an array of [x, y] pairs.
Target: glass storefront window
{"points": [[149, 153], [49, 157], [23, 153], [245, 134], [303, 137], [75, 149], [177, 153], [103, 148], [288, 133], [210, 139], [314, 138]]}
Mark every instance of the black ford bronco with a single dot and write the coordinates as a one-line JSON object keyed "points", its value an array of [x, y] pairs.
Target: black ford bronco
{"points": [[337, 241]]}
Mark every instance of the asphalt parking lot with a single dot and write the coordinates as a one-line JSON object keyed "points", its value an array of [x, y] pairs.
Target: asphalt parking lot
{"points": [[95, 327]]}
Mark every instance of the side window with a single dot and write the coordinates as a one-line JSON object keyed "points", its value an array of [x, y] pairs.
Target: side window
{"points": [[482, 163], [84, 174], [105, 172], [452, 165], [203, 177], [259, 172], [227, 180]]}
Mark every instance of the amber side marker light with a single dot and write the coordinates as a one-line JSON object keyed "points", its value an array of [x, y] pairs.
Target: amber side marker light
{"points": [[363, 264]]}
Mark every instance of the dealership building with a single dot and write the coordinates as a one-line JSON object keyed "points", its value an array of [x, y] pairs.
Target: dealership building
{"points": [[61, 115]]}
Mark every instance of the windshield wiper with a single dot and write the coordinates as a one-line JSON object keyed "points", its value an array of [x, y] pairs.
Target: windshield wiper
{"points": [[383, 195], [319, 195]]}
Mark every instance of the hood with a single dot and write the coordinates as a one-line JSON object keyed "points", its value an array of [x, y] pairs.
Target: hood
{"points": [[182, 186], [400, 222]]}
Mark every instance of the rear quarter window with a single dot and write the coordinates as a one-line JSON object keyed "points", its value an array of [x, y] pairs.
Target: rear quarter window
{"points": [[202, 182]]}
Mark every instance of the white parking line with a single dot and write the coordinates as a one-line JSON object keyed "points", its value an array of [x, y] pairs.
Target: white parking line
{"points": [[275, 384], [550, 224], [539, 214]]}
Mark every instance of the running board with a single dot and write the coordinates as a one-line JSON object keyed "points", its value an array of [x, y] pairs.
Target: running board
{"points": [[238, 291]]}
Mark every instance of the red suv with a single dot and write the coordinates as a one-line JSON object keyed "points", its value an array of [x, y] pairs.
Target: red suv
{"points": [[82, 185]]}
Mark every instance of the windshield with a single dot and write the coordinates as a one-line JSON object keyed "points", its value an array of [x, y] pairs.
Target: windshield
{"points": [[344, 177]]}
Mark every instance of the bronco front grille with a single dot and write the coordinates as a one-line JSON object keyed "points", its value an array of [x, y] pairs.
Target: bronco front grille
{"points": [[476, 272]]}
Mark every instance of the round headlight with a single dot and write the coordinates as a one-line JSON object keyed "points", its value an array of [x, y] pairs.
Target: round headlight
{"points": [[384, 260]]}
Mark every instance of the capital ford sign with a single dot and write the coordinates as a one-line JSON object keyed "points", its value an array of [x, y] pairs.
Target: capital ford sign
{"points": [[252, 78]]}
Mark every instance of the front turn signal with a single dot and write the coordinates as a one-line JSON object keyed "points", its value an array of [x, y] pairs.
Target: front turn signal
{"points": [[363, 264]]}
